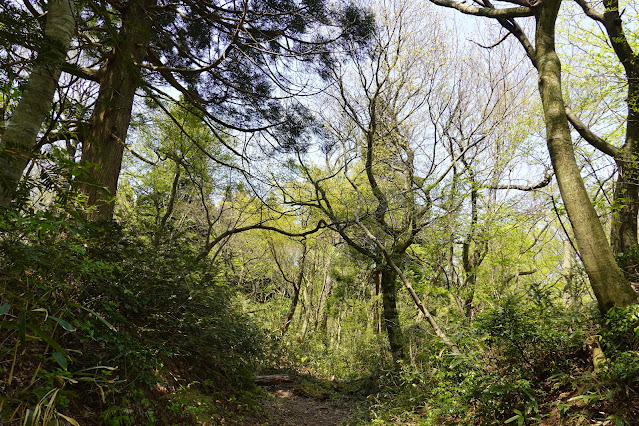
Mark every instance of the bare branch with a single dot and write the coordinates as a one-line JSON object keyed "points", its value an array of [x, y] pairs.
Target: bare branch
{"points": [[541, 184], [511, 12], [590, 11], [594, 140]]}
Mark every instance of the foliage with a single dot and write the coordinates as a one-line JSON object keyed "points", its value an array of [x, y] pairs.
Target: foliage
{"points": [[165, 316], [516, 364], [90, 315], [629, 263]]}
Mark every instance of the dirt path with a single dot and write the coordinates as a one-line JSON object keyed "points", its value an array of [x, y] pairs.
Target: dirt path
{"points": [[286, 407]]}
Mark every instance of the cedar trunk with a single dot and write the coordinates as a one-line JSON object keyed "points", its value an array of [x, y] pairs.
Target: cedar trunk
{"points": [[104, 143], [607, 281]]}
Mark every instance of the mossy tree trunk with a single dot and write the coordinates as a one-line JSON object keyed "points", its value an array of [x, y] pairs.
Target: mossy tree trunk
{"points": [[388, 284]]}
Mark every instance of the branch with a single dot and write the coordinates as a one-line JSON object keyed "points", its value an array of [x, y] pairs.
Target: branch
{"points": [[616, 35], [590, 11], [511, 12], [548, 174], [514, 28], [590, 137], [320, 225], [492, 46], [81, 72], [169, 208], [554, 206]]}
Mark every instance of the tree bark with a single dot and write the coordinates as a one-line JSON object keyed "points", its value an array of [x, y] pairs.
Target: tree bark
{"points": [[297, 286], [103, 146], [623, 232], [327, 287], [472, 258], [22, 129], [307, 305], [607, 281], [169, 206], [626, 195], [376, 312], [391, 316]]}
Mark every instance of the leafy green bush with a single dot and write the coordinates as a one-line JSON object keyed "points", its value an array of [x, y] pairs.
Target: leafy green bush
{"points": [[88, 313], [620, 342]]}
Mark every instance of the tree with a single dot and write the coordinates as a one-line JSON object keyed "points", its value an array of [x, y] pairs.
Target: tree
{"points": [[383, 173], [225, 58], [623, 232], [608, 283], [19, 137]]}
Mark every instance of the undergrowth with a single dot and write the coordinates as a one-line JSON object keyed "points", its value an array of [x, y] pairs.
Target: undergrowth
{"points": [[98, 326], [520, 366]]}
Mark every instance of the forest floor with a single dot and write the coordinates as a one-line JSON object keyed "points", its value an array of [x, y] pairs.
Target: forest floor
{"points": [[297, 402]]}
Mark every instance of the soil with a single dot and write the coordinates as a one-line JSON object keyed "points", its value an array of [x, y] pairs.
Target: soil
{"points": [[286, 407]]}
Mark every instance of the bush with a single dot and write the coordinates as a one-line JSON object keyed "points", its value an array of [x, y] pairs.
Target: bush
{"points": [[90, 315]]}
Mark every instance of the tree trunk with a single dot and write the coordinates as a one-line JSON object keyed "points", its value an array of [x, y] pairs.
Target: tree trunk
{"points": [[568, 273], [291, 310], [169, 207], [472, 258], [391, 316], [22, 129], [607, 281], [327, 287], [377, 311], [103, 147], [623, 232], [297, 286], [307, 304]]}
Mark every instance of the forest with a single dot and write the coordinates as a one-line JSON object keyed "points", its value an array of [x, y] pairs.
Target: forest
{"points": [[316, 212]]}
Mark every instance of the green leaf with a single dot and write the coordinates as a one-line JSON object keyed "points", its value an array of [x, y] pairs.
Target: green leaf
{"points": [[519, 416], [78, 249], [98, 316], [11, 325], [4, 308], [66, 325], [22, 328], [32, 417], [61, 360], [44, 336]]}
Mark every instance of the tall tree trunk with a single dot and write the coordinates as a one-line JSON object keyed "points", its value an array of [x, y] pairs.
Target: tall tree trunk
{"points": [[21, 132], [321, 320], [297, 286], [391, 316], [377, 312], [623, 232], [568, 273], [626, 196], [307, 304], [607, 281], [159, 232], [291, 310], [472, 257], [103, 147]]}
